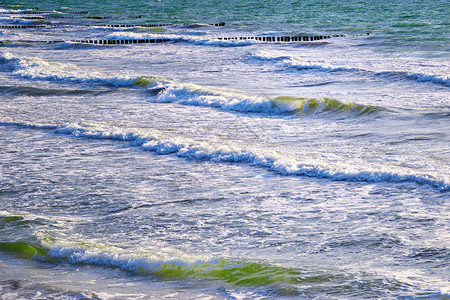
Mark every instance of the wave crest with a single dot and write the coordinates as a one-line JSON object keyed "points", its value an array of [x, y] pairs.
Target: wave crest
{"points": [[157, 142], [35, 68], [167, 91], [286, 61], [308, 106]]}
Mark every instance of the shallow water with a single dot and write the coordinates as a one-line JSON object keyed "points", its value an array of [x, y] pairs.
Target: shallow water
{"points": [[209, 168]]}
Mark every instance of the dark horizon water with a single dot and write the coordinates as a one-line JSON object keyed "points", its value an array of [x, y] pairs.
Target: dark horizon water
{"points": [[204, 167]]}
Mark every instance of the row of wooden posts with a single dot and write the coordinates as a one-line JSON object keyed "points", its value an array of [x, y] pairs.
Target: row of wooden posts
{"points": [[162, 40], [104, 25]]}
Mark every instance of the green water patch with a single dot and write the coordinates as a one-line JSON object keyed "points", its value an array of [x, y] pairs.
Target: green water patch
{"points": [[8, 219], [154, 29], [24, 249], [239, 274], [305, 106], [283, 281], [11, 221], [146, 81], [256, 275]]}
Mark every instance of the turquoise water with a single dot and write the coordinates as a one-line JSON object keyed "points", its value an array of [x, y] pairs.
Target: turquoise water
{"points": [[206, 167], [417, 22]]}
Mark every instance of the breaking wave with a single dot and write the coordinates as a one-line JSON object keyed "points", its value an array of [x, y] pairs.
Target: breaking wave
{"points": [[169, 264], [39, 69], [167, 91], [294, 63], [157, 142], [195, 95]]}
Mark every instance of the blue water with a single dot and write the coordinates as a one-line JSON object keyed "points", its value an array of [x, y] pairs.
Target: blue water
{"points": [[208, 167]]}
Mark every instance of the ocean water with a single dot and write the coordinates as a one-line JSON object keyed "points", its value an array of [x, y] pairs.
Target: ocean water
{"points": [[206, 167]]}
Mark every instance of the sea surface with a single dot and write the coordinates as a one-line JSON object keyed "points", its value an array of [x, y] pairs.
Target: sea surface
{"points": [[194, 161]]}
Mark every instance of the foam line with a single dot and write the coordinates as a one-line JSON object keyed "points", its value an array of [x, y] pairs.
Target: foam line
{"points": [[191, 150], [168, 91], [416, 76], [292, 62], [203, 152], [166, 263]]}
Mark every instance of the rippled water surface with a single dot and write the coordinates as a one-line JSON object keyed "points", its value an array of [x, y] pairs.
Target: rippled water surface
{"points": [[212, 164]]}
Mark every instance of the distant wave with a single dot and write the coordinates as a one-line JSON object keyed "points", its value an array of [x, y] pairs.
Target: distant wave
{"points": [[156, 142], [40, 69], [195, 95], [291, 62], [416, 76], [163, 90]]}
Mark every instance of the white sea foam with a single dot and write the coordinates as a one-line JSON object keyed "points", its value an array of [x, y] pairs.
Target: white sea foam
{"points": [[40, 69], [115, 257], [158, 143], [11, 11], [164, 263], [167, 91], [190, 94], [298, 63], [6, 20], [288, 61], [155, 258], [417, 77]]}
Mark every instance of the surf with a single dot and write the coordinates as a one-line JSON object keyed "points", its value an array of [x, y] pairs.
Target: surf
{"points": [[157, 142], [164, 90], [292, 62]]}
